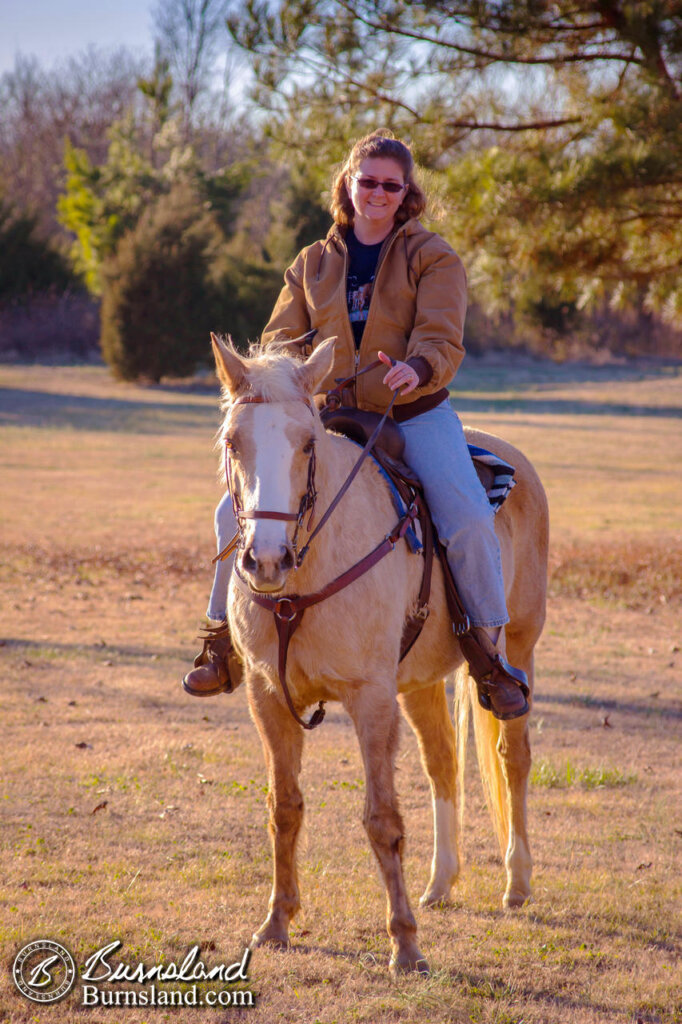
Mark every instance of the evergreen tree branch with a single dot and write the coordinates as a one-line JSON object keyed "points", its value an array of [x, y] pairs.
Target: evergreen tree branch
{"points": [[486, 54], [527, 127]]}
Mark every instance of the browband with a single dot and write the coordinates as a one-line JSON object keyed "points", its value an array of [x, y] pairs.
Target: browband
{"points": [[257, 399]]}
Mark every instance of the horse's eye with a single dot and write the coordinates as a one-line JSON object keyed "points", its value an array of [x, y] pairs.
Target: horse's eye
{"points": [[229, 444], [309, 446]]}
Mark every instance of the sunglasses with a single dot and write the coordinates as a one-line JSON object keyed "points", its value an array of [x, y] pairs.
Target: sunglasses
{"points": [[371, 183]]}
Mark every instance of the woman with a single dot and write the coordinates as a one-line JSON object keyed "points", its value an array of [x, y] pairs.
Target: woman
{"points": [[388, 289]]}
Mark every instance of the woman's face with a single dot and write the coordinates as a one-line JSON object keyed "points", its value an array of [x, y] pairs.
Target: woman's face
{"points": [[376, 207]]}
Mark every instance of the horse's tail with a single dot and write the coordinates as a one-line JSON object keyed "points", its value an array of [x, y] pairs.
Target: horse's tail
{"points": [[487, 734]]}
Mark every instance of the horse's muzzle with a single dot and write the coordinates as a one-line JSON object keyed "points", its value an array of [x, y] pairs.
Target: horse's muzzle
{"points": [[267, 570]]}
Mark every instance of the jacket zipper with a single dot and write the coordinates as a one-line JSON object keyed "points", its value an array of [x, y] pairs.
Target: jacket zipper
{"points": [[356, 350], [380, 263]]}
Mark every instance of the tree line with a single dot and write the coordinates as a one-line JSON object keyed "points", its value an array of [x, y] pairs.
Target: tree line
{"points": [[548, 135]]}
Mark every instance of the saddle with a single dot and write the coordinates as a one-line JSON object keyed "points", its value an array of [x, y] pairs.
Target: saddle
{"points": [[484, 661], [358, 425]]}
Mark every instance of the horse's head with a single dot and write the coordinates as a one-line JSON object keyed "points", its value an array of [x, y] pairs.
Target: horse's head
{"points": [[270, 433]]}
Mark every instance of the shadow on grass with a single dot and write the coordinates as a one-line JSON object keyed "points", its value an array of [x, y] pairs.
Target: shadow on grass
{"points": [[562, 407], [118, 655], [98, 650], [595, 925], [296, 948], [46, 410], [665, 709], [549, 1001], [21, 408], [513, 372]]}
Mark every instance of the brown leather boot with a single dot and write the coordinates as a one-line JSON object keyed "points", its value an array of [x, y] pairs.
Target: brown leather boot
{"points": [[217, 669], [502, 689]]}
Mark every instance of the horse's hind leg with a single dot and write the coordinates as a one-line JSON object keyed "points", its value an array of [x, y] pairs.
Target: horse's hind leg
{"points": [[427, 713], [513, 750], [504, 758], [374, 711], [282, 741]]}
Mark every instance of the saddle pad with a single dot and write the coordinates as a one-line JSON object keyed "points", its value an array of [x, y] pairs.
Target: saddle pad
{"points": [[502, 483], [503, 474], [413, 541]]}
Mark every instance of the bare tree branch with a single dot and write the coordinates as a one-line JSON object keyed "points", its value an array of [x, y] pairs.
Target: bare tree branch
{"points": [[188, 32]]}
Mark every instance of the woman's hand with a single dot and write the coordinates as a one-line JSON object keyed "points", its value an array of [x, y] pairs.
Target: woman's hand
{"points": [[401, 375]]}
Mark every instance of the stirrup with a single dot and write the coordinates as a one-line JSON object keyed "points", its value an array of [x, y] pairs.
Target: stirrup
{"points": [[214, 657], [488, 682], [221, 686]]}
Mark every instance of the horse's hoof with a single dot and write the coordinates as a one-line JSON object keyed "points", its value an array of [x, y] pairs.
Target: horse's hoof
{"points": [[434, 899], [268, 935], [514, 899], [406, 963]]}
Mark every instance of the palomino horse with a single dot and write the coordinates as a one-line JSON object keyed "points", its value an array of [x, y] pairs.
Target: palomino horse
{"points": [[346, 648]]}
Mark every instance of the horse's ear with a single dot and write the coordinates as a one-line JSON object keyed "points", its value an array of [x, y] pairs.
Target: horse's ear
{"points": [[229, 364], [317, 366]]}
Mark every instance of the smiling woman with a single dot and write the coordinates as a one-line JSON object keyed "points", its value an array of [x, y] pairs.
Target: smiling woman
{"points": [[376, 193]]}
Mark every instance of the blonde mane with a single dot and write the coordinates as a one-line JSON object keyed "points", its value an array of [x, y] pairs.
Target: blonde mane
{"points": [[270, 373]]}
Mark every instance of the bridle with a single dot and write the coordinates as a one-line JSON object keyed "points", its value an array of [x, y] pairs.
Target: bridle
{"points": [[333, 399], [306, 504]]}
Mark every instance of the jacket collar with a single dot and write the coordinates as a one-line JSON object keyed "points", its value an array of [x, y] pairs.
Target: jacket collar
{"points": [[337, 237], [338, 232]]}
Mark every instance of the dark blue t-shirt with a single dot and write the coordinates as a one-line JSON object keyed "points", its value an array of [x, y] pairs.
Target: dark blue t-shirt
{"points": [[362, 265]]}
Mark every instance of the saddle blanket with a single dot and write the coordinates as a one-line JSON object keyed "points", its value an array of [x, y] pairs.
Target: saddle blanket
{"points": [[502, 483], [503, 474]]}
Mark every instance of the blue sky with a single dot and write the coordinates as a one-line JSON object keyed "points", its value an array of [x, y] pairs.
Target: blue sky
{"points": [[52, 30]]}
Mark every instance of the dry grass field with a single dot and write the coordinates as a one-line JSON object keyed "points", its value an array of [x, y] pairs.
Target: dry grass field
{"points": [[131, 811]]}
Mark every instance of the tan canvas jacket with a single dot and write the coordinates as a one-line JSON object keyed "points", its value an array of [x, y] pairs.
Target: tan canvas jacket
{"points": [[417, 309]]}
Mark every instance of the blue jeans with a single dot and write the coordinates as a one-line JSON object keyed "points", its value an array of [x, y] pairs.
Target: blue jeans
{"points": [[435, 447]]}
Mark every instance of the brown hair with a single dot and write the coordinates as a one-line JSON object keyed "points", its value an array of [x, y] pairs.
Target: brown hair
{"points": [[378, 144]]}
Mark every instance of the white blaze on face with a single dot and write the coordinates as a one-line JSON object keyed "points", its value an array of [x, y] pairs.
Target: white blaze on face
{"points": [[273, 455]]}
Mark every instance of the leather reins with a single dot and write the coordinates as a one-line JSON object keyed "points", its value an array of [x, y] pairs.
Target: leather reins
{"points": [[288, 611], [308, 499]]}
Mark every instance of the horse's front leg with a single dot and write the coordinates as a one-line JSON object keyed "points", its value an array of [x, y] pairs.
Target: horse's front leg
{"points": [[282, 740], [374, 710]]}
